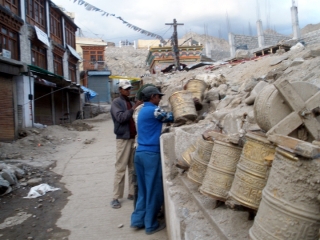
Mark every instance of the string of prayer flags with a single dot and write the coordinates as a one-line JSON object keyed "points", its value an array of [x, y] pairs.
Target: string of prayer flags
{"points": [[90, 7]]}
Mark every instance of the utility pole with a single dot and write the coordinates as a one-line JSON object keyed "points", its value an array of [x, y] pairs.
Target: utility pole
{"points": [[175, 47]]}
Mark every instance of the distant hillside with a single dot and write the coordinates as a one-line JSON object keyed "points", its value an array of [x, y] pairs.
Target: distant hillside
{"points": [[310, 28], [216, 43], [126, 61]]}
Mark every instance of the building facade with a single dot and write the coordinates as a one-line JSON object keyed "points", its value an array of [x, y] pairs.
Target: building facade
{"points": [[95, 73], [161, 58], [39, 80]]}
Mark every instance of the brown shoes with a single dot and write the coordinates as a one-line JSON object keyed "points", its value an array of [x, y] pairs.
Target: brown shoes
{"points": [[130, 197]]}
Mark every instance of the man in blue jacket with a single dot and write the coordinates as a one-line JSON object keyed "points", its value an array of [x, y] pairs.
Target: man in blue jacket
{"points": [[125, 130], [147, 162]]}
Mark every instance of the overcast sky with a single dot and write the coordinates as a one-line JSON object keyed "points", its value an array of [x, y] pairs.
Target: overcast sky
{"points": [[199, 16]]}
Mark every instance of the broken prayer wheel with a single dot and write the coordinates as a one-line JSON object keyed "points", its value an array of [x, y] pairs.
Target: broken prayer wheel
{"points": [[197, 87], [289, 208], [183, 106]]}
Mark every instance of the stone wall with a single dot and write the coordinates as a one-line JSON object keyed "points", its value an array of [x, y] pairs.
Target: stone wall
{"points": [[219, 54], [271, 39], [245, 42], [311, 37], [251, 42]]}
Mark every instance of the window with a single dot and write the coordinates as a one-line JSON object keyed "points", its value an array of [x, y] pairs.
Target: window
{"points": [[35, 11], [58, 64], [55, 26], [12, 5], [72, 72], [96, 56], [39, 56], [70, 34], [9, 41]]}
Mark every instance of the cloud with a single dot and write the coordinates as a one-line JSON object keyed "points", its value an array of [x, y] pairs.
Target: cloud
{"points": [[196, 16]]}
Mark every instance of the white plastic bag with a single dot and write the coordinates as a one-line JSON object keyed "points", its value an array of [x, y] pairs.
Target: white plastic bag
{"points": [[40, 190]]}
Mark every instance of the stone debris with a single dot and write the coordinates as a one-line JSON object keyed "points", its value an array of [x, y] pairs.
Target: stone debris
{"points": [[34, 181]]}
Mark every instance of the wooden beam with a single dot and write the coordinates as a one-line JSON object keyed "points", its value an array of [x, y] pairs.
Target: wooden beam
{"points": [[299, 147], [290, 95], [286, 125]]}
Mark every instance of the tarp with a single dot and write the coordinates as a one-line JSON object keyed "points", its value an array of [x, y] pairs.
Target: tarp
{"points": [[89, 93]]}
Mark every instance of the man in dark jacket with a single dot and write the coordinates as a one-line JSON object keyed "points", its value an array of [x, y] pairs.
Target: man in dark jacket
{"points": [[125, 130]]}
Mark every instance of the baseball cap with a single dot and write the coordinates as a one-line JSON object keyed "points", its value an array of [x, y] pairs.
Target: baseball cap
{"points": [[151, 90], [125, 84]]}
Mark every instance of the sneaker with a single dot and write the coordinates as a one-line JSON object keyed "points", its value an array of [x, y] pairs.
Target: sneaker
{"points": [[115, 204], [161, 226], [130, 197]]}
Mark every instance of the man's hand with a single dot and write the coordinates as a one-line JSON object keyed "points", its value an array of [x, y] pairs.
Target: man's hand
{"points": [[138, 103]]}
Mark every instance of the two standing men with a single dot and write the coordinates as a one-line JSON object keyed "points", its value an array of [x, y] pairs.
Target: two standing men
{"points": [[147, 157]]}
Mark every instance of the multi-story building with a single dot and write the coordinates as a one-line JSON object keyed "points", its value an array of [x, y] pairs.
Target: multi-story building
{"points": [[95, 73], [39, 76]]}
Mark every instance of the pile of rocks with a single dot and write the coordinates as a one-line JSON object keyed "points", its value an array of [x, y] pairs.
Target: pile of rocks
{"points": [[16, 176]]}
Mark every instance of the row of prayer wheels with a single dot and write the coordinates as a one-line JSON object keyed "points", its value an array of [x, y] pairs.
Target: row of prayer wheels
{"points": [[280, 180]]}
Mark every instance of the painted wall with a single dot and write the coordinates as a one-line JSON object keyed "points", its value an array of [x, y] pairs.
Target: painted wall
{"points": [[26, 106]]}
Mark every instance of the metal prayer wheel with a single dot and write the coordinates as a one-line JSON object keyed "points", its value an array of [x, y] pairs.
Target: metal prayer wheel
{"points": [[252, 171], [200, 161], [220, 171], [183, 106], [197, 87], [290, 207], [186, 155]]}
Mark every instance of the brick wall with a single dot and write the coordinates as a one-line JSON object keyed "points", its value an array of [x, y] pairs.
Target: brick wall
{"points": [[7, 131]]}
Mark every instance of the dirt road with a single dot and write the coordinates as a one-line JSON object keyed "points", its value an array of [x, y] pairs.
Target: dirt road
{"points": [[81, 209]]}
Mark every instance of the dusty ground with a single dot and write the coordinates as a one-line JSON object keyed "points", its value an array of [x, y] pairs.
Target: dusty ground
{"points": [[40, 213], [36, 218]]}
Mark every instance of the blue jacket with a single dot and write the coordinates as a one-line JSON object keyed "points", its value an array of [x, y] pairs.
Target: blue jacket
{"points": [[121, 117], [150, 121]]}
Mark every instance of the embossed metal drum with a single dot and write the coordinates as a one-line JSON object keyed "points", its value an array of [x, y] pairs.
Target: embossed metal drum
{"points": [[252, 171], [183, 106], [186, 155], [289, 207], [197, 87], [200, 161], [220, 171]]}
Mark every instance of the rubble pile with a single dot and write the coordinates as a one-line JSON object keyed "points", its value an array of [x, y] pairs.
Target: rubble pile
{"points": [[239, 115], [18, 175], [233, 88], [41, 142], [126, 61]]}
